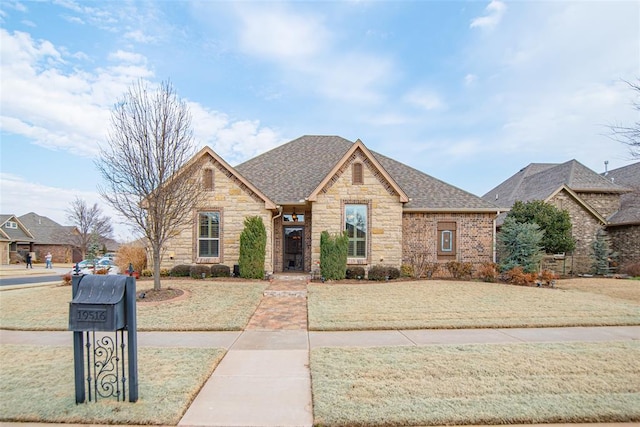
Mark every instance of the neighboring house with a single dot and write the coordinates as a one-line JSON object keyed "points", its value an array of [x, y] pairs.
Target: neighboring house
{"points": [[589, 198], [393, 214], [49, 236], [13, 237], [624, 225]]}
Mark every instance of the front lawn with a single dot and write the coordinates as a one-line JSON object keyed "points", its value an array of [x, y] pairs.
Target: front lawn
{"points": [[451, 304], [477, 384], [207, 306], [37, 385]]}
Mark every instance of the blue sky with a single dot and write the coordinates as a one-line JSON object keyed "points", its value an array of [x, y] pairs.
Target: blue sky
{"points": [[466, 91]]}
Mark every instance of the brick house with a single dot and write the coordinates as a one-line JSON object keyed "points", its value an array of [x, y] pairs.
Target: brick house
{"points": [[49, 236], [13, 234], [391, 211], [624, 225], [591, 200]]}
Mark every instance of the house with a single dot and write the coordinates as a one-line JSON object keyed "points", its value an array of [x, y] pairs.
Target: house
{"points": [[393, 214], [590, 199], [624, 225], [49, 236], [15, 240]]}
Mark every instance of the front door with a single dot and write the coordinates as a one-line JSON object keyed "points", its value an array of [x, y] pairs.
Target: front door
{"points": [[293, 257]]}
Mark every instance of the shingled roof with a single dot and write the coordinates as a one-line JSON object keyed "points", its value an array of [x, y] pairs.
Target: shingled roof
{"points": [[539, 181], [288, 174], [45, 230], [19, 234], [629, 212]]}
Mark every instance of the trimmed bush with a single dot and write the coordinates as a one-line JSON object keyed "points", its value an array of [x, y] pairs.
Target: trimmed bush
{"points": [[199, 271], [146, 273], [517, 276], [333, 255], [488, 272], [383, 272], [253, 247], [220, 270], [355, 273], [180, 270], [459, 270], [631, 268]]}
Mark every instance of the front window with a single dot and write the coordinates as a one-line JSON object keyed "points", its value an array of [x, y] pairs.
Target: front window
{"points": [[209, 235], [446, 240], [356, 226]]}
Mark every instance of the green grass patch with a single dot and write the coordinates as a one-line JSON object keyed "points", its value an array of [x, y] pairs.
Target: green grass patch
{"points": [[450, 304], [477, 384], [37, 385], [208, 306]]}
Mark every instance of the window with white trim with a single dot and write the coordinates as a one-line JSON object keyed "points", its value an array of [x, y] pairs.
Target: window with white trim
{"points": [[209, 234], [356, 226], [11, 224]]}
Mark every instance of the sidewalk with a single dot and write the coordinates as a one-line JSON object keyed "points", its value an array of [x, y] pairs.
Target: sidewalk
{"points": [[264, 379]]}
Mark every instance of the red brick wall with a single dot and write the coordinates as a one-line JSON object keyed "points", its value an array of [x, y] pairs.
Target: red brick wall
{"points": [[474, 234]]}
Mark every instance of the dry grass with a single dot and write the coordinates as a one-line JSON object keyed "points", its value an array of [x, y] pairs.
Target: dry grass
{"points": [[210, 306], [41, 387], [628, 290], [450, 304], [477, 384]]}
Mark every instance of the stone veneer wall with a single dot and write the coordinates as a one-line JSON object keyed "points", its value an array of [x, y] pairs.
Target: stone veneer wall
{"points": [[235, 202], [625, 240], [385, 226], [584, 229], [606, 204], [474, 236]]}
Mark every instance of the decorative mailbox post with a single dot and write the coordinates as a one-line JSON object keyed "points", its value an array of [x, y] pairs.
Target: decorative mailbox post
{"points": [[104, 303]]}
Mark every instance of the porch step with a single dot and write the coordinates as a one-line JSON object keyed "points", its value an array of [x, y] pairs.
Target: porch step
{"points": [[288, 293], [291, 277]]}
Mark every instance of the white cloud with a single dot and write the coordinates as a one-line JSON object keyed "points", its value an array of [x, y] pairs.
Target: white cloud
{"points": [[492, 17], [131, 57], [20, 196], [470, 79], [70, 110], [425, 99], [271, 31], [309, 54]]}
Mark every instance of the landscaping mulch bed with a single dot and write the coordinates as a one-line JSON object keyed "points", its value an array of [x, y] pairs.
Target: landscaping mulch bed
{"points": [[152, 295]]}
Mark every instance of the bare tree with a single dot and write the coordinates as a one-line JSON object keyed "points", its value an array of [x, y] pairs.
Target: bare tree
{"points": [[91, 224], [630, 135], [146, 167]]}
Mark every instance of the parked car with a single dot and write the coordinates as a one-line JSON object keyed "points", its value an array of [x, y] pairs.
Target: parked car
{"points": [[88, 266], [110, 255]]}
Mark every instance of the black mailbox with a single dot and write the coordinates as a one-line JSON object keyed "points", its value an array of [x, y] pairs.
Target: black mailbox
{"points": [[99, 304]]}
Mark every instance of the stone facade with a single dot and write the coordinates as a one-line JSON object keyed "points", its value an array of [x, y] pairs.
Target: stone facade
{"points": [[474, 235], [235, 202], [384, 225]]}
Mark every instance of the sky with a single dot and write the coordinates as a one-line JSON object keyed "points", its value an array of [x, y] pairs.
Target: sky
{"points": [[469, 92]]}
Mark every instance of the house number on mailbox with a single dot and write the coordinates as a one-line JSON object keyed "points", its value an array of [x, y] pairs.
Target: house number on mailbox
{"points": [[92, 315]]}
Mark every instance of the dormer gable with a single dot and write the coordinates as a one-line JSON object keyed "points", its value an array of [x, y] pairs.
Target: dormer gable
{"points": [[359, 154]]}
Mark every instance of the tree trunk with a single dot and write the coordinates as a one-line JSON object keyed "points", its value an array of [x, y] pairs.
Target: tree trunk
{"points": [[156, 268]]}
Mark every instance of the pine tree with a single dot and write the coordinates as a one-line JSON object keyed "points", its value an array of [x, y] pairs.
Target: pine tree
{"points": [[603, 255], [520, 245]]}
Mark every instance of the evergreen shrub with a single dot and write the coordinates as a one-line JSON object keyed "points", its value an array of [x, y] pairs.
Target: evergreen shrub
{"points": [[459, 270], [198, 270], [180, 270], [355, 273], [383, 272], [333, 255], [220, 270], [253, 247]]}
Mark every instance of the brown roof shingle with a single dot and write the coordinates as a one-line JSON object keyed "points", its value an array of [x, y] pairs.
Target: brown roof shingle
{"points": [[291, 172]]}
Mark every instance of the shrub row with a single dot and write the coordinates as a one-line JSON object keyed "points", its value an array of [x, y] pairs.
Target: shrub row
{"points": [[197, 270]]}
